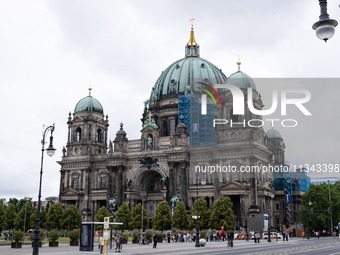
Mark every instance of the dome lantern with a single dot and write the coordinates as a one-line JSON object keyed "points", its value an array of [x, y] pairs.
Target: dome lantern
{"points": [[192, 48], [89, 104]]}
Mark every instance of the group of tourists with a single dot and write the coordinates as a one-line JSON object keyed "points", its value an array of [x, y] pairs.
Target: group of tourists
{"points": [[118, 241]]}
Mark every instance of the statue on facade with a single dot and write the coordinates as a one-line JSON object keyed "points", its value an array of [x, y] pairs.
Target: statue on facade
{"points": [[174, 201], [110, 147], [149, 139], [128, 182], [146, 102], [112, 204]]}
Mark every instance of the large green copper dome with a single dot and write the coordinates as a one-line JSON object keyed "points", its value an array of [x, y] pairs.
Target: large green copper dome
{"points": [[182, 76], [89, 104]]}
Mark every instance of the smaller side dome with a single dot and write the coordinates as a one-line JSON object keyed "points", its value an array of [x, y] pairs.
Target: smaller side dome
{"points": [[273, 134], [241, 80], [89, 104]]}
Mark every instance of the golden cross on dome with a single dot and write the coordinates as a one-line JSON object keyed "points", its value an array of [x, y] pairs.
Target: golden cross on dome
{"points": [[192, 22]]}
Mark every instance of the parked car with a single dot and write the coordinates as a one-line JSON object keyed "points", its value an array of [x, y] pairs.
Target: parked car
{"points": [[273, 235]]}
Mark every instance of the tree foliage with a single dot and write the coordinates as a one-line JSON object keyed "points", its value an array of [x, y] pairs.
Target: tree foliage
{"points": [[180, 217], [71, 218], [323, 208], [43, 217], [223, 214], [204, 214], [123, 215], [2, 211], [162, 218], [101, 214], [54, 217], [19, 221], [9, 217], [136, 217]]}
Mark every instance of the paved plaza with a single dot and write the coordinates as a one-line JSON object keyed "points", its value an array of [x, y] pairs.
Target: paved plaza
{"points": [[330, 246]]}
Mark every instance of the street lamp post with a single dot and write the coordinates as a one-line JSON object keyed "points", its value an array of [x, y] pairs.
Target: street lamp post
{"points": [[197, 244], [310, 203], [143, 194], [172, 214], [330, 206], [325, 27], [269, 218], [50, 151]]}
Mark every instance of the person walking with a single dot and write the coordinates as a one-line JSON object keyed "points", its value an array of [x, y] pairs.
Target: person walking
{"points": [[118, 243], [101, 243], [247, 237], [154, 241], [168, 235]]}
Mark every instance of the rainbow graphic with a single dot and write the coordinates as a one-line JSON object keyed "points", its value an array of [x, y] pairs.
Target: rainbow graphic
{"points": [[210, 94]]}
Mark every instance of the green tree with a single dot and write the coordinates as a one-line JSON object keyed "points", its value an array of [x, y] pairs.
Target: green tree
{"points": [[71, 218], [123, 215], [99, 217], [223, 214], [180, 218], [101, 214], [54, 217], [15, 202], [2, 211], [19, 221], [162, 218], [203, 212], [323, 208], [43, 218], [9, 217], [136, 217]]}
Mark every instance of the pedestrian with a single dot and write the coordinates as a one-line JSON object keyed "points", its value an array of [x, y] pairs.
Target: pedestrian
{"points": [[284, 236], [154, 241], [231, 239], [168, 235], [188, 237], [247, 237], [118, 243], [101, 243]]}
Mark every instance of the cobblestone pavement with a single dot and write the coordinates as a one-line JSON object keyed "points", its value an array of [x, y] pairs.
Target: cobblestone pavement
{"points": [[240, 247]]}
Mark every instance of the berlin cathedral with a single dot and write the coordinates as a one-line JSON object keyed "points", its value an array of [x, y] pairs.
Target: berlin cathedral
{"points": [[97, 170]]}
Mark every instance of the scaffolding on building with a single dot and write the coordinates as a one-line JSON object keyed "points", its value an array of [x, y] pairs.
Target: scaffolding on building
{"points": [[200, 126], [292, 184]]}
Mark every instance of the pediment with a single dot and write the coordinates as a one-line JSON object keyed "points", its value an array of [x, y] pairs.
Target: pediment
{"points": [[70, 192], [232, 186]]}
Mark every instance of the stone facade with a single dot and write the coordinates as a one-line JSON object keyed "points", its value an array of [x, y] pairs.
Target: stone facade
{"points": [[162, 163]]}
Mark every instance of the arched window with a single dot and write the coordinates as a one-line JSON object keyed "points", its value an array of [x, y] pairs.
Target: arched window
{"points": [[74, 182], [102, 182], [235, 174], [78, 134], [99, 135]]}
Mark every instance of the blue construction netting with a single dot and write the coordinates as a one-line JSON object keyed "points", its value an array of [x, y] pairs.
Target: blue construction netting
{"points": [[292, 181], [200, 126]]}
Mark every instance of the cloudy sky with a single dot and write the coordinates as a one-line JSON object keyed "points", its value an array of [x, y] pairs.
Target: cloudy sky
{"points": [[51, 51]]}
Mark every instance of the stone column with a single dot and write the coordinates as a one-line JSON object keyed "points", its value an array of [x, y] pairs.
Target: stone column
{"points": [[172, 180], [183, 168]]}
